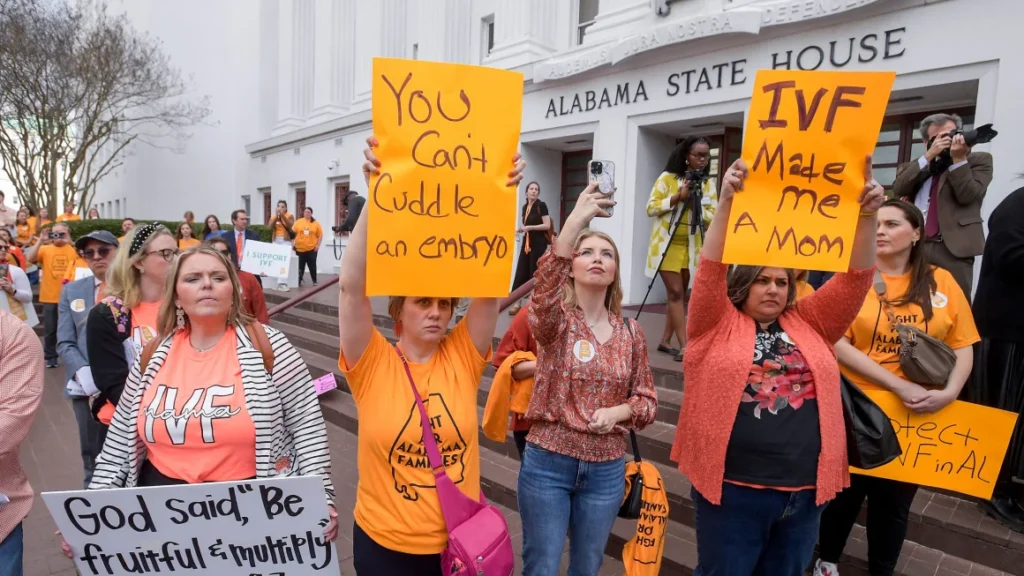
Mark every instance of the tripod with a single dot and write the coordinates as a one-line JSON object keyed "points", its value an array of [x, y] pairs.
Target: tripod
{"points": [[696, 224]]}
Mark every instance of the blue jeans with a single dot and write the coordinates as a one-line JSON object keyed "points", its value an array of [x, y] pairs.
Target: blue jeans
{"points": [[11, 552], [559, 494], [761, 532]]}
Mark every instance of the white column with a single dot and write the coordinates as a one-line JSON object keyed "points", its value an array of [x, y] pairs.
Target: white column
{"points": [[303, 56], [393, 25], [334, 58], [368, 44], [523, 32], [287, 120], [458, 35], [619, 18]]}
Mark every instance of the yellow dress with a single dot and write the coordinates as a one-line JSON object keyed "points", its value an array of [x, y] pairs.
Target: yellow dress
{"points": [[681, 253]]}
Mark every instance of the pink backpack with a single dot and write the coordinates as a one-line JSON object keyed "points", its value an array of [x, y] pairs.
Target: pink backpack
{"points": [[478, 540]]}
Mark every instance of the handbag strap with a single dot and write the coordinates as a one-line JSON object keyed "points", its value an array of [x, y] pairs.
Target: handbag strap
{"points": [[632, 432], [880, 289], [433, 454]]}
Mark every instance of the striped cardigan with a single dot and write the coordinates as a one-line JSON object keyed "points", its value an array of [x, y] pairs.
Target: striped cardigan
{"points": [[291, 439]]}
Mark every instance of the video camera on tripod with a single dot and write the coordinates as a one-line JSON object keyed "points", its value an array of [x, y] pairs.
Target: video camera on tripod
{"points": [[696, 178]]}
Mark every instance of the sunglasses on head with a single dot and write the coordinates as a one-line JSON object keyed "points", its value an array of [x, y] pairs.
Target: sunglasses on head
{"points": [[89, 253]]}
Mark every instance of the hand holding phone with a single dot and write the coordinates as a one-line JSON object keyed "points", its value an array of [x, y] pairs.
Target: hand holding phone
{"points": [[602, 173]]}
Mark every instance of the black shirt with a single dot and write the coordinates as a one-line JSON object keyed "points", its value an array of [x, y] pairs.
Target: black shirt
{"points": [[776, 438], [997, 309]]}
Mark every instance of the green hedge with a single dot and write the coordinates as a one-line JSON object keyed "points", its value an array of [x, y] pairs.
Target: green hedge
{"points": [[80, 228]]}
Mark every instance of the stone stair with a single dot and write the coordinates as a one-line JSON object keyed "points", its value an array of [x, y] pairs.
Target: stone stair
{"points": [[947, 534]]}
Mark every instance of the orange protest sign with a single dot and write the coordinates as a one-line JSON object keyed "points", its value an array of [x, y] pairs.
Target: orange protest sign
{"points": [[805, 142], [441, 220], [959, 448]]}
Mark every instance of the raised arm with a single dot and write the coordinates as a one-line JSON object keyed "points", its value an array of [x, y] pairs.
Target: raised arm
{"points": [[482, 316], [355, 314], [710, 299], [970, 178]]}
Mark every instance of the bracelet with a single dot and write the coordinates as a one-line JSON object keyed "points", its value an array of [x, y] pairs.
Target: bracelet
{"points": [[867, 214]]}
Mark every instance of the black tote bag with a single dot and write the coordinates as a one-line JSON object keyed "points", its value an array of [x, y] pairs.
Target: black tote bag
{"points": [[870, 439]]}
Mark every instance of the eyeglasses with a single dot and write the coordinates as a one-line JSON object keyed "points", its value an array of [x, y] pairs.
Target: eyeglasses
{"points": [[89, 253], [167, 254]]}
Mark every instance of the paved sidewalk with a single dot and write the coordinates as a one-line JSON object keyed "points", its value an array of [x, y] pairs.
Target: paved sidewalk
{"points": [[52, 461]]}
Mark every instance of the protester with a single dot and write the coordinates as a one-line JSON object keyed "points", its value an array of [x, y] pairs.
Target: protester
{"points": [[399, 527], [184, 237], [21, 391], [593, 381], [15, 290], [190, 217], [762, 469], [209, 347], [281, 224], [253, 300], [42, 220], [515, 348], [238, 236], [929, 298], [135, 286], [211, 227], [999, 368], [55, 256], [534, 226], [674, 256], [24, 228], [948, 185], [69, 213], [308, 236], [94, 214], [126, 225], [7, 214], [15, 256], [76, 300]]}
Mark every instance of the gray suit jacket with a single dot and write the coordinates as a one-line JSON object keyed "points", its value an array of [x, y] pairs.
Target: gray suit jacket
{"points": [[76, 299]]}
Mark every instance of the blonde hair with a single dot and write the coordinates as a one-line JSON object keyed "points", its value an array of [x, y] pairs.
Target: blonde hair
{"points": [[613, 296], [167, 320], [123, 277]]}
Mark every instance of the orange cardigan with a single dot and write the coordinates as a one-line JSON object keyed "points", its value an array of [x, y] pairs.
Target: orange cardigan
{"points": [[719, 352]]}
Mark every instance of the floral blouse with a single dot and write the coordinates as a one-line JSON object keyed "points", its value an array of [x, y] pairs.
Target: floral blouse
{"points": [[577, 375]]}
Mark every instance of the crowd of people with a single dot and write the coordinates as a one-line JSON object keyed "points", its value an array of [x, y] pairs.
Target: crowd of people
{"points": [[760, 436]]}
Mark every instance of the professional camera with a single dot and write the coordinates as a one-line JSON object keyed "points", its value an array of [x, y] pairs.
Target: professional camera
{"points": [[697, 177], [980, 135], [336, 229]]}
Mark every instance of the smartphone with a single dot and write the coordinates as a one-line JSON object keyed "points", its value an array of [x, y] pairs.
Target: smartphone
{"points": [[603, 173], [3, 270]]}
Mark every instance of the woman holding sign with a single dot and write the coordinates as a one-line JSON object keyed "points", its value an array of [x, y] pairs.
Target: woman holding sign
{"points": [[593, 382], [674, 249], [217, 398], [929, 298], [763, 442], [399, 525]]}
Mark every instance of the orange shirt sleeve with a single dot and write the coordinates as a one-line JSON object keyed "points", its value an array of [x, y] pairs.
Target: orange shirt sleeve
{"points": [[964, 332], [464, 352], [360, 375]]}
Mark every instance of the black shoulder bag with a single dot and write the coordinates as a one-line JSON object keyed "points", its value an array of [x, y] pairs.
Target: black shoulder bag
{"points": [[870, 439], [633, 502]]}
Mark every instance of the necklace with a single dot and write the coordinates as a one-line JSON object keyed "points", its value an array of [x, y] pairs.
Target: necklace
{"points": [[201, 350]]}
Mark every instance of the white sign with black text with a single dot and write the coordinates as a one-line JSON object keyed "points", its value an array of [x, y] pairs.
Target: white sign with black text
{"points": [[255, 527], [262, 258]]}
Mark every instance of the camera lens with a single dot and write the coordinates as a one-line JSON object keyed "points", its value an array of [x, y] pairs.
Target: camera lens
{"points": [[595, 168]]}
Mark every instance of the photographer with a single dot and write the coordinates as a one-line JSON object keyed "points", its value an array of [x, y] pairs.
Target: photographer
{"points": [[353, 206], [948, 185], [281, 223], [53, 253]]}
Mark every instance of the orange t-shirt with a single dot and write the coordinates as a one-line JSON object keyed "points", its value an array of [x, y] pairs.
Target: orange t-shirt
{"points": [[872, 334], [396, 499], [193, 417], [65, 217], [144, 322], [185, 244], [55, 262]]}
